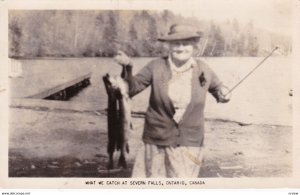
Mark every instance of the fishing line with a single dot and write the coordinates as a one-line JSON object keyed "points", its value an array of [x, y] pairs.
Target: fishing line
{"points": [[236, 85]]}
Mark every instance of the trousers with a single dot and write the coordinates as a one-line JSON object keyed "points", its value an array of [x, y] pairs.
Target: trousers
{"points": [[167, 162]]}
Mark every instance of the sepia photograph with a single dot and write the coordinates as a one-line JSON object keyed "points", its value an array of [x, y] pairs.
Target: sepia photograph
{"points": [[201, 92]]}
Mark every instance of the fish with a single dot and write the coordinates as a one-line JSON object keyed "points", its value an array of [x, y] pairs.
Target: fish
{"points": [[118, 116]]}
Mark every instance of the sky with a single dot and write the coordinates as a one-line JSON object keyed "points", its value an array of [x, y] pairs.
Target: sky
{"points": [[274, 15]]}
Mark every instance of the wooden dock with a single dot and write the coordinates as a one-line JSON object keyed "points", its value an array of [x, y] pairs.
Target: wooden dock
{"points": [[47, 85]]}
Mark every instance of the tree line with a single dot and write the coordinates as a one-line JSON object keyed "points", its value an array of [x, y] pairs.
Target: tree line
{"points": [[69, 33]]}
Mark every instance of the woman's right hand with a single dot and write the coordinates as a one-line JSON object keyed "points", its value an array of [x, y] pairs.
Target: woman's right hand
{"points": [[122, 59]]}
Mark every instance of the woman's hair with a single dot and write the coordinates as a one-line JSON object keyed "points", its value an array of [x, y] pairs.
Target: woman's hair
{"points": [[195, 40]]}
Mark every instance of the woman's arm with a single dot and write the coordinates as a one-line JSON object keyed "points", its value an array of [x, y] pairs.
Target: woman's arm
{"points": [[140, 81], [217, 89]]}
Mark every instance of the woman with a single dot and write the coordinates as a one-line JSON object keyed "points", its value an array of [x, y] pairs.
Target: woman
{"points": [[174, 124]]}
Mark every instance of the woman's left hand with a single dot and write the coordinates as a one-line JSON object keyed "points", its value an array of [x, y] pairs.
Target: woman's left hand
{"points": [[224, 95], [122, 59]]}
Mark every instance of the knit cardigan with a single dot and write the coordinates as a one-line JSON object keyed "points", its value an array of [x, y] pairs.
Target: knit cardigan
{"points": [[160, 128]]}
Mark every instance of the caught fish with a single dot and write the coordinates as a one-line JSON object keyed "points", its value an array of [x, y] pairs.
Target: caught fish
{"points": [[118, 116]]}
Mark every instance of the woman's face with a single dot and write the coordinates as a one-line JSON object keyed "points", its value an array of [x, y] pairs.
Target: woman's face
{"points": [[181, 50]]}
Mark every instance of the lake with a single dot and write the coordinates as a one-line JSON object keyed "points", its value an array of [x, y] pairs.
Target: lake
{"points": [[261, 99]]}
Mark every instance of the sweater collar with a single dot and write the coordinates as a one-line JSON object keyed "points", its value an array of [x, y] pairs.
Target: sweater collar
{"points": [[185, 67]]}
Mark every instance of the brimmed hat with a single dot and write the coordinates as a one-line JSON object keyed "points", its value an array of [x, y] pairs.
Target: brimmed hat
{"points": [[181, 32]]}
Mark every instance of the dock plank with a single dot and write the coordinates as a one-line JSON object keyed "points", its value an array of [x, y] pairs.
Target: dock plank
{"points": [[42, 85]]}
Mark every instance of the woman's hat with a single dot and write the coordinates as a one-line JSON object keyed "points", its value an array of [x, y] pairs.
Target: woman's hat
{"points": [[181, 32]]}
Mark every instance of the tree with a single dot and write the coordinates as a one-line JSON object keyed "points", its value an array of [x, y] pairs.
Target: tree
{"points": [[131, 47], [15, 35], [235, 26], [241, 45], [253, 46], [152, 37], [216, 43], [149, 34], [110, 35], [100, 33], [252, 41], [132, 33], [220, 43]]}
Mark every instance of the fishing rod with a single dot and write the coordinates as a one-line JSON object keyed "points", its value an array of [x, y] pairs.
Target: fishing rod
{"points": [[236, 85]]}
